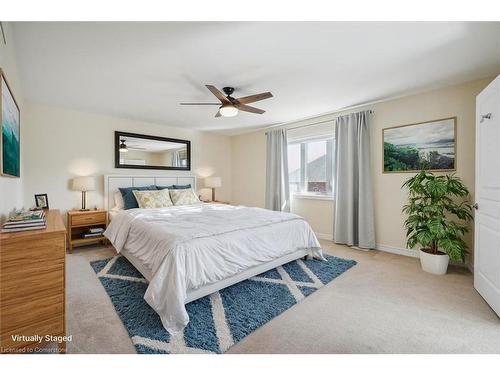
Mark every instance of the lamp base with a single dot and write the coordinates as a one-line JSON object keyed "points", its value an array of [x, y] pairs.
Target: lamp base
{"points": [[84, 202]]}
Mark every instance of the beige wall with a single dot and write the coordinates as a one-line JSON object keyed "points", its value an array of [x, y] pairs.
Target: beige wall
{"points": [[11, 189], [248, 153], [60, 144], [319, 214]]}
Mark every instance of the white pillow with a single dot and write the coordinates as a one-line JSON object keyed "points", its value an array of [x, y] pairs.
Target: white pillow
{"points": [[153, 198], [119, 203], [183, 197]]}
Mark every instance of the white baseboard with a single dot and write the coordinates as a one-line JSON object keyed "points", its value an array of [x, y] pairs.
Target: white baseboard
{"points": [[324, 236], [397, 250], [470, 266], [414, 254]]}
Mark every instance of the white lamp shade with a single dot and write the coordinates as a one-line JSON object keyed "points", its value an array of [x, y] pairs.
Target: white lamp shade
{"points": [[84, 183], [213, 182]]}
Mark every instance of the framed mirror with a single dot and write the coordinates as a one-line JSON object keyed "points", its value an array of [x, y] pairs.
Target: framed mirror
{"points": [[139, 151]]}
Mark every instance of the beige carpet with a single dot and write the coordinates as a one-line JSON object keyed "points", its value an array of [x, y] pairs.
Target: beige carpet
{"points": [[385, 304]]}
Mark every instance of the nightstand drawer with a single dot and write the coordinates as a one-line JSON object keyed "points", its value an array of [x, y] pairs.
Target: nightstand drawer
{"points": [[88, 218]]}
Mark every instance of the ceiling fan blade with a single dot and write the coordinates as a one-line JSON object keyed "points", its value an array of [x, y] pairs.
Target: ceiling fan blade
{"points": [[247, 108], [218, 114], [255, 98], [199, 103], [218, 94]]}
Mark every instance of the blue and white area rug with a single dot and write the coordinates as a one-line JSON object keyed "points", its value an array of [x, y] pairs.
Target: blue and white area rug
{"points": [[221, 319]]}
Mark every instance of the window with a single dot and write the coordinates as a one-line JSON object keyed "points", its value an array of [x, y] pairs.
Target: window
{"points": [[310, 166]]}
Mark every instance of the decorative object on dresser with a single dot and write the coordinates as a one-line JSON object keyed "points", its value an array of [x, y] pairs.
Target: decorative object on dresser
{"points": [[213, 182], [10, 125], [41, 201], [85, 227], [25, 220], [83, 184], [32, 287]]}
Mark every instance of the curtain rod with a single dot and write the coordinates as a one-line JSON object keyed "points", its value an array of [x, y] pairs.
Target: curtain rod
{"points": [[316, 123]]}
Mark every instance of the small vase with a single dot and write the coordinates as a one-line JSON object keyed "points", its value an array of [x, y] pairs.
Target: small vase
{"points": [[436, 264]]}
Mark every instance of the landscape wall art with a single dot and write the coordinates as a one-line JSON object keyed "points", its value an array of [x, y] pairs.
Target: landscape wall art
{"points": [[428, 145], [10, 147]]}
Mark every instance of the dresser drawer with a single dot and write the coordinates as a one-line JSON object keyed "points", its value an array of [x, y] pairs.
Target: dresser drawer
{"points": [[50, 326], [43, 250], [31, 310], [88, 218], [21, 284]]}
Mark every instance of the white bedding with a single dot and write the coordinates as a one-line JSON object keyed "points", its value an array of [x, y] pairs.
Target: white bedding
{"points": [[187, 247]]}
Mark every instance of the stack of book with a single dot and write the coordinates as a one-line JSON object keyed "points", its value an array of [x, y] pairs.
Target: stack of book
{"points": [[93, 232], [25, 220]]}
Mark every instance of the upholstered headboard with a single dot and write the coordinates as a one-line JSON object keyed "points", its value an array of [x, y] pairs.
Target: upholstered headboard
{"points": [[113, 182]]}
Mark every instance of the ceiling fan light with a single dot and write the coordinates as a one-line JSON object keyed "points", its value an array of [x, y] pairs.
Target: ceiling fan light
{"points": [[123, 146], [228, 111]]}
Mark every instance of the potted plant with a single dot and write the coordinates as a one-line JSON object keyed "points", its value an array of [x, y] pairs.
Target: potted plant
{"points": [[438, 213]]}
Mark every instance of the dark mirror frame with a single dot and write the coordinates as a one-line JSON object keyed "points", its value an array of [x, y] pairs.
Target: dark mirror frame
{"points": [[144, 136]]}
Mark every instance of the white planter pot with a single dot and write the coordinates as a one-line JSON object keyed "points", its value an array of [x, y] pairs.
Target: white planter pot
{"points": [[436, 264]]}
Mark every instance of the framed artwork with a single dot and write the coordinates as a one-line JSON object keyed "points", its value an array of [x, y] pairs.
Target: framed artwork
{"points": [[427, 145], [41, 201], [10, 141]]}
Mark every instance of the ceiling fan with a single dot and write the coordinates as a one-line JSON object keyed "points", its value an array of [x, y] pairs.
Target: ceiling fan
{"points": [[230, 106]]}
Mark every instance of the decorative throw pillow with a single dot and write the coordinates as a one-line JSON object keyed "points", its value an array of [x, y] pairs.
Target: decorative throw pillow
{"points": [[129, 200], [164, 187], [119, 203], [177, 187], [153, 199], [183, 196], [174, 187]]}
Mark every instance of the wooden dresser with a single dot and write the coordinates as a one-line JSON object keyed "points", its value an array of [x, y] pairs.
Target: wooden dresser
{"points": [[32, 287]]}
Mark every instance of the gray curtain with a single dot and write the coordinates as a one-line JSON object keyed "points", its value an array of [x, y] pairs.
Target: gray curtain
{"points": [[176, 158], [277, 189], [354, 221]]}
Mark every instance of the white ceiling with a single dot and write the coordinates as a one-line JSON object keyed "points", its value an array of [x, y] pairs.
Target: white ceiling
{"points": [[143, 71], [150, 145]]}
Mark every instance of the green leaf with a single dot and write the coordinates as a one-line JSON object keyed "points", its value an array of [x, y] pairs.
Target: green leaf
{"points": [[412, 241], [454, 247], [436, 227], [437, 187], [424, 237]]}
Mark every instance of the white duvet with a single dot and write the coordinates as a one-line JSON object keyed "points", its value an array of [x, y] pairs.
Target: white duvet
{"points": [[187, 247]]}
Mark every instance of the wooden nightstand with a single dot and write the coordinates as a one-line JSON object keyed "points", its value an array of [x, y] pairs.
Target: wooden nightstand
{"points": [[80, 221]]}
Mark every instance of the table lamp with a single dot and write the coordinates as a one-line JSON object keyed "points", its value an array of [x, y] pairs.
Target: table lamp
{"points": [[84, 184], [213, 182]]}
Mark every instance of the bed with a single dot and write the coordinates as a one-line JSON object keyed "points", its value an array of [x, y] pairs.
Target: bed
{"points": [[188, 252]]}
